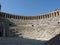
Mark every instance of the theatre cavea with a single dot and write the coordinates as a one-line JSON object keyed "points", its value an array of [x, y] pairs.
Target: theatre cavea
{"points": [[42, 27]]}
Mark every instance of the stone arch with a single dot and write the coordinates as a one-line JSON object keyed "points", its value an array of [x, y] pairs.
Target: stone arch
{"points": [[39, 17], [18, 17], [3, 15], [15, 17], [43, 16], [58, 13], [55, 14], [10, 16], [52, 14], [47, 15], [22, 17]]}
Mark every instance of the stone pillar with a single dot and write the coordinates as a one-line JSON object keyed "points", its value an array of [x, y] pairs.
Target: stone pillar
{"points": [[44, 16], [41, 17], [53, 14], [50, 15]]}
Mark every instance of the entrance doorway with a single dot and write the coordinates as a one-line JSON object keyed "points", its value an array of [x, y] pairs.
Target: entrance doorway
{"points": [[1, 31]]}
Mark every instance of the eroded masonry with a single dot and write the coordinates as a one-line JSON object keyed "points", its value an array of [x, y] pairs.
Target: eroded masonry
{"points": [[42, 27]]}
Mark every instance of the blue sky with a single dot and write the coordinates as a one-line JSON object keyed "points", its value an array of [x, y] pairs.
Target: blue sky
{"points": [[29, 7]]}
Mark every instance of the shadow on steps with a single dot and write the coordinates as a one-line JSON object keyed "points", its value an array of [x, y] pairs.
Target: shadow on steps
{"points": [[19, 41], [54, 41]]}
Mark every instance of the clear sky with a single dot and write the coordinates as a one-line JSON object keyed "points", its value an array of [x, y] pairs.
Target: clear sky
{"points": [[29, 7]]}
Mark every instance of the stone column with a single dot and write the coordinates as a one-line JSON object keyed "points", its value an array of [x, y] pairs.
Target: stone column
{"points": [[51, 14], [41, 17], [44, 16]]}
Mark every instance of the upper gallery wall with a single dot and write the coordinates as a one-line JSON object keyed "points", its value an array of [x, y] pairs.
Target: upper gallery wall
{"points": [[43, 16]]}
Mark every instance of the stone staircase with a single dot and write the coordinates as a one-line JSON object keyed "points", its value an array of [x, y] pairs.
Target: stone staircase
{"points": [[41, 32]]}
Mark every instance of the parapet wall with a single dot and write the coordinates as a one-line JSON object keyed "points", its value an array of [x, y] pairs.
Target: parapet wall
{"points": [[51, 14]]}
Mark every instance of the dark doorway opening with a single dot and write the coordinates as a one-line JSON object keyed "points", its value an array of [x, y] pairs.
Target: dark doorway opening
{"points": [[1, 31]]}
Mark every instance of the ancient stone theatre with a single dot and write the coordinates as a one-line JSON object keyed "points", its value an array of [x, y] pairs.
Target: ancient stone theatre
{"points": [[42, 27]]}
